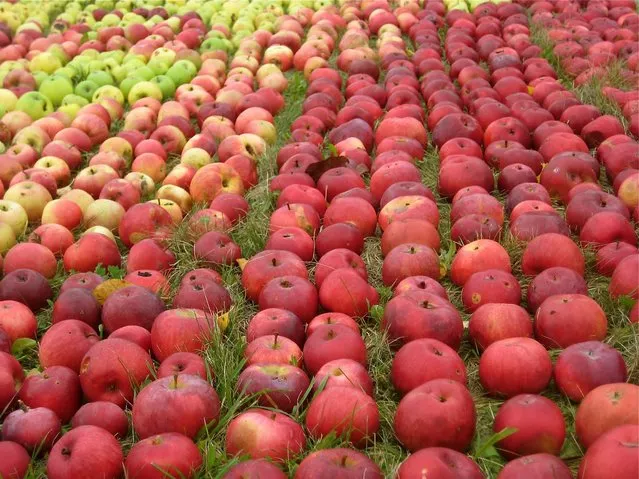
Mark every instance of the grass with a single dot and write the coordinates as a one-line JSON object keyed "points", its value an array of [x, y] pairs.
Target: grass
{"points": [[224, 355]]}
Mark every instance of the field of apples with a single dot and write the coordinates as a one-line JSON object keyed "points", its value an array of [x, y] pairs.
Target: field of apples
{"points": [[340, 239]]}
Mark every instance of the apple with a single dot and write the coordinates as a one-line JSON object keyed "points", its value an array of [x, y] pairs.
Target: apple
{"points": [[442, 460], [135, 334], [613, 453], [294, 293], [183, 363], [273, 435], [77, 303], [540, 465], [624, 278], [188, 402], [27, 287], [437, 359], [339, 236], [515, 366], [444, 402], [180, 330], [85, 447], [169, 453], [337, 462], [582, 367], [605, 408], [477, 256], [111, 369], [205, 294], [32, 196], [89, 251], [272, 349], [492, 322], [276, 321], [104, 415], [344, 411], [145, 220], [131, 305], [539, 425], [420, 314], [34, 429], [17, 460], [17, 320]]}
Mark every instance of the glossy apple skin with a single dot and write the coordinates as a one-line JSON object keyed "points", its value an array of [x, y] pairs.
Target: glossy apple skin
{"points": [[455, 416], [163, 454], [515, 366], [605, 408], [112, 368], [104, 415], [536, 466], [347, 412], [15, 460], [56, 388], [612, 454], [539, 423], [92, 448], [442, 461], [264, 434], [280, 385], [423, 360], [339, 462], [181, 403], [34, 429]]}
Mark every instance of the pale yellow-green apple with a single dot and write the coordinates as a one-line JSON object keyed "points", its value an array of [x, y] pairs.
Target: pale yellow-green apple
{"points": [[101, 230], [7, 237], [171, 207], [108, 91], [8, 99], [32, 196], [45, 62], [86, 89], [195, 157], [143, 182], [79, 197], [105, 213], [176, 194]]}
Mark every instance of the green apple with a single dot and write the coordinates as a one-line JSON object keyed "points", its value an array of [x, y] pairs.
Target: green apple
{"points": [[166, 85], [163, 55], [55, 88], [34, 104], [182, 71], [96, 65], [74, 99], [128, 83], [39, 77], [100, 78], [159, 67], [111, 19], [119, 73], [69, 73], [71, 110], [45, 62], [108, 91], [144, 72], [86, 89], [144, 89]]}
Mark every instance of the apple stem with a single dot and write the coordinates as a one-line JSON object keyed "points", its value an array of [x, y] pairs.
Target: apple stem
{"points": [[288, 205], [275, 340], [344, 459], [175, 381]]}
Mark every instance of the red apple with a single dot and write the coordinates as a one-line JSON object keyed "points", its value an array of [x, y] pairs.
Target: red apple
{"points": [[161, 455], [539, 425], [182, 403], [441, 402], [104, 415], [440, 460], [612, 454], [338, 462], [515, 366], [83, 448]]}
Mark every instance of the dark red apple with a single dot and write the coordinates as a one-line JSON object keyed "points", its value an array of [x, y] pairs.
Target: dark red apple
{"points": [[104, 415]]}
